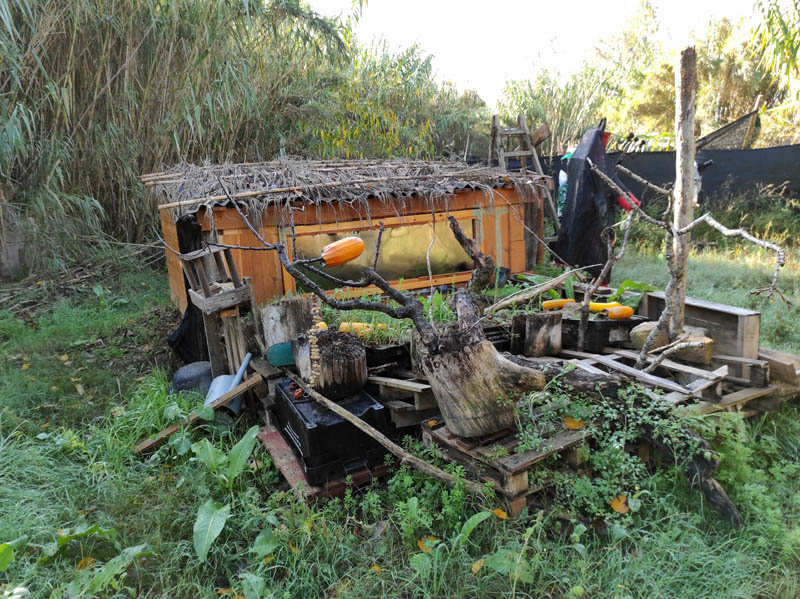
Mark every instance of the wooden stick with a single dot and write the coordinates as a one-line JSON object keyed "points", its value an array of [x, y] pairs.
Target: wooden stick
{"points": [[528, 294], [149, 445], [394, 448]]}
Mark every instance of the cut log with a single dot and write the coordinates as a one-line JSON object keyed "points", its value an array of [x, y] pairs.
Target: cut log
{"points": [[536, 335], [285, 320], [341, 367], [640, 332]]}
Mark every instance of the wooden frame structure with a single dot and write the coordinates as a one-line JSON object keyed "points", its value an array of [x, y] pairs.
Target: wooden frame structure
{"points": [[507, 225]]}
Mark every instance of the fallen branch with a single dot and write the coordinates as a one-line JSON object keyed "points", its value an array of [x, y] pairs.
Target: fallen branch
{"points": [[530, 293], [643, 181], [675, 347], [394, 448]]}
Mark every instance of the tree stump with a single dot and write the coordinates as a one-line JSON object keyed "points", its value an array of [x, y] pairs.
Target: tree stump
{"points": [[284, 320], [475, 386], [341, 368]]}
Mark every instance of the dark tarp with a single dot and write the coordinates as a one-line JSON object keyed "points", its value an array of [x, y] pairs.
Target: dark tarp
{"points": [[590, 206]]}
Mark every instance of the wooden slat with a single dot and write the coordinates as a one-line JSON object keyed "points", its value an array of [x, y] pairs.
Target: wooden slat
{"points": [[285, 460], [676, 366], [736, 398], [783, 366], [404, 385], [522, 461], [149, 445], [649, 379]]}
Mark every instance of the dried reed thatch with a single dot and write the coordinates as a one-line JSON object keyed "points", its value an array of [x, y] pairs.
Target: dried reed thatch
{"points": [[185, 188]]}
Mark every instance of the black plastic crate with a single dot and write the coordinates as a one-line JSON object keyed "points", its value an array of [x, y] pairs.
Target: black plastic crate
{"points": [[598, 332], [320, 437]]}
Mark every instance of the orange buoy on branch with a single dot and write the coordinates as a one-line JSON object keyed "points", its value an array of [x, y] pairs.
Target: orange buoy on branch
{"points": [[342, 251]]}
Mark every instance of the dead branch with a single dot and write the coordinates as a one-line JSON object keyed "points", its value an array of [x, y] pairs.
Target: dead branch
{"points": [[616, 188], [641, 180], [608, 233], [483, 270], [675, 347], [780, 259], [405, 457], [530, 293]]}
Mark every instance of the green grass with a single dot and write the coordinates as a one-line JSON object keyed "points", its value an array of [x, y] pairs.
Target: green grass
{"points": [[66, 461], [728, 276]]}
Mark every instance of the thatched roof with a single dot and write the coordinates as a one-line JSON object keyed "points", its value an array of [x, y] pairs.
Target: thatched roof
{"points": [[185, 188]]}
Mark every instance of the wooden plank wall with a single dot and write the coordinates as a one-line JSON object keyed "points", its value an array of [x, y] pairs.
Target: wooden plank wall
{"points": [[499, 228]]}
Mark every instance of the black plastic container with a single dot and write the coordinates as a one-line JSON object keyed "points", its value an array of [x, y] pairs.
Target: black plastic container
{"points": [[599, 333], [328, 446]]}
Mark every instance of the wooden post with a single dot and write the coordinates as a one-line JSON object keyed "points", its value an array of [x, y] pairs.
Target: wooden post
{"points": [[685, 192], [751, 125]]}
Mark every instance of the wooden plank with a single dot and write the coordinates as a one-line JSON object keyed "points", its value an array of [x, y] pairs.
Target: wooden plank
{"points": [[676, 366], [149, 445], [522, 461], [177, 286], [783, 366], [736, 398], [649, 379], [404, 385], [285, 460], [758, 369], [588, 366]]}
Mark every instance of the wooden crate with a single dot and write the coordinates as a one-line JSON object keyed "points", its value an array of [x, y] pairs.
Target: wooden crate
{"points": [[735, 330], [492, 458]]}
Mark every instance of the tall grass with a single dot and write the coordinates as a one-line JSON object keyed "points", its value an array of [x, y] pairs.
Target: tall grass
{"points": [[94, 92]]}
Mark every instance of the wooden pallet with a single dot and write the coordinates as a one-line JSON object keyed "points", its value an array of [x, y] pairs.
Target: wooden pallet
{"points": [[492, 458]]}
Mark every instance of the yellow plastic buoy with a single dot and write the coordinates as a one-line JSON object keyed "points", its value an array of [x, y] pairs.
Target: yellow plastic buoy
{"points": [[600, 306], [620, 312], [555, 304]]}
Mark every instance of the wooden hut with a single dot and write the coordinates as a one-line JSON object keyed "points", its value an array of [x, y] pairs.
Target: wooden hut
{"points": [[324, 200]]}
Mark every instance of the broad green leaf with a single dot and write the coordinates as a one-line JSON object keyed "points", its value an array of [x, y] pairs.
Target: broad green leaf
{"points": [[205, 413], [114, 567], [240, 453], [172, 412], [264, 544], [211, 518], [6, 556], [253, 585], [211, 456], [180, 443], [68, 535], [470, 525]]}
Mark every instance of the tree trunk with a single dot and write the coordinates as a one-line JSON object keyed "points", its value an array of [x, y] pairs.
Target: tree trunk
{"points": [[685, 191], [536, 335], [474, 385]]}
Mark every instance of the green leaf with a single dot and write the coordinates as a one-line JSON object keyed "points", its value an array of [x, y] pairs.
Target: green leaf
{"points": [[253, 585], [180, 443], [470, 525], [264, 544], [172, 412], [421, 563], [237, 459], [211, 518], [211, 456], [114, 567], [6, 556], [205, 413], [70, 534]]}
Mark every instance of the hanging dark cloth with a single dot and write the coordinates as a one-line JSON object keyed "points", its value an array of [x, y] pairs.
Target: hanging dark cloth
{"points": [[590, 207]]}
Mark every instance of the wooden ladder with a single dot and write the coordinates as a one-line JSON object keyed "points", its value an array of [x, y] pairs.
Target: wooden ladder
{"points": [[216, 288], [525, 150]]}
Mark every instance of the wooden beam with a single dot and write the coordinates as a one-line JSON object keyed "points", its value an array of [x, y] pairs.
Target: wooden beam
{"points": [[644, 377]]}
